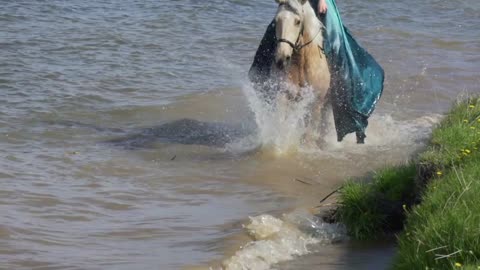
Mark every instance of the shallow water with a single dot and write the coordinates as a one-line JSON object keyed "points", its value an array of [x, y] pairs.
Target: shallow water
{"points": [[99, 171]]}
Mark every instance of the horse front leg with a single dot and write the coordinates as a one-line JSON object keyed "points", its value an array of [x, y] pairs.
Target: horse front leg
{"points": [[317, 123], [313, 124], [323, 124]]}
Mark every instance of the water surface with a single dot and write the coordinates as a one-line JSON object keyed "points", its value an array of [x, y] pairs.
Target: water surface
{"points": [[99, 171]]}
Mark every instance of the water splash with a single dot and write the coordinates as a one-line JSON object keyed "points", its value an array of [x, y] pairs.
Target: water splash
{"points": [[276, 240], [281, 126], [281, 129]]}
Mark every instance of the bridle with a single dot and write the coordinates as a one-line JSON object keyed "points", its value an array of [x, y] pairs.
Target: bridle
{"points": [[297, 46]]}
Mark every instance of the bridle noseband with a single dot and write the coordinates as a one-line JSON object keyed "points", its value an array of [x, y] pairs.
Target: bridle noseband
{"points": [[297, 46]]}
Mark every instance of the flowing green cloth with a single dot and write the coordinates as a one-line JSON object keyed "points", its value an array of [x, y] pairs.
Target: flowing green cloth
{"points": [[357, 78]]}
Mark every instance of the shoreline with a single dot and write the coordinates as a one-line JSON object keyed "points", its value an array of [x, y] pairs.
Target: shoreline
{"points": [[429, 203]]}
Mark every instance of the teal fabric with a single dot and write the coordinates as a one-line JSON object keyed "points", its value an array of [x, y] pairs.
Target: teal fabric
{"points": [[359, 82], [358, 78]]}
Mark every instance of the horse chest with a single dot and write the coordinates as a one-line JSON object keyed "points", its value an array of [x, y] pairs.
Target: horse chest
{"points": [[297, 70], [309, 68]]}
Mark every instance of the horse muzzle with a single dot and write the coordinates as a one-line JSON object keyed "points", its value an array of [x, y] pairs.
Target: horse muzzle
{"points": [[283, 63], [283, 55]]}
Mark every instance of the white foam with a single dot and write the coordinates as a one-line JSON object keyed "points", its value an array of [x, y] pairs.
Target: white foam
{"points": [[384, 132], [276, 240]]}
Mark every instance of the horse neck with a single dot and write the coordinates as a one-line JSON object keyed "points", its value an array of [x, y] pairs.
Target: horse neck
{"points": [[305, 57], [311, 34], [312, 26]]}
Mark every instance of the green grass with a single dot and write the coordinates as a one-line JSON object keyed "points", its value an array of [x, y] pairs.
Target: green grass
{"points": [[371, 209], [443, 230], [446, 222], [457, 133]]}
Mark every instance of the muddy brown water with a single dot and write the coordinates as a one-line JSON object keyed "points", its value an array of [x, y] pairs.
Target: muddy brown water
{"points": [[129, 138]]}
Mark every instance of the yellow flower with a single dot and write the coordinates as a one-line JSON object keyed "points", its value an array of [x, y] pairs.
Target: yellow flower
{"points": [[472, 127], [467, 151], [471, 106], [457, 264], [465, 121], [439, 173]]}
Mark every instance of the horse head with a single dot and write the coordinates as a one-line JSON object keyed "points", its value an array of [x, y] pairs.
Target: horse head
{"points": [[289, 26]]}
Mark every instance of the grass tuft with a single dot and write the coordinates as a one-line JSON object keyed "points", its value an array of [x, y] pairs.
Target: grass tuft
{"points": [[371, 209]]}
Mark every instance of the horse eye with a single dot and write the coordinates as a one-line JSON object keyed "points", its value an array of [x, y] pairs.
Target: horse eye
{"points": [[297, 22]]}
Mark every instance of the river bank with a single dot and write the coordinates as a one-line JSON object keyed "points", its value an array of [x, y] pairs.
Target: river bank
{"points": [[432, 202]]}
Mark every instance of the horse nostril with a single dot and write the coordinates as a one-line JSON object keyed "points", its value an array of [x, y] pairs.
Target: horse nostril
{"points": [[288, 59], [280, 64]]}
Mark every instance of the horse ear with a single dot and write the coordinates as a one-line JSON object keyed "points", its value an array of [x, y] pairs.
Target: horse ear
{"points": [[302, 2], [281, 1]]}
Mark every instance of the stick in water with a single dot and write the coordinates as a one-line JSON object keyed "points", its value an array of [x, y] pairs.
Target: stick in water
{"points": [[301, 181], [330, 194]]}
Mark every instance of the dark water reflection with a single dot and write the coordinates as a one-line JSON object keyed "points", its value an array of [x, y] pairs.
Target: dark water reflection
{"points": [[185, 131]]}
